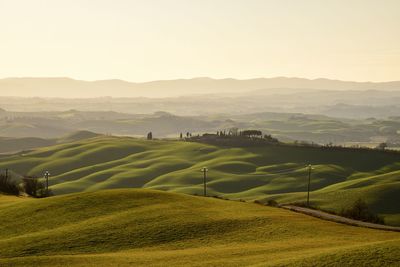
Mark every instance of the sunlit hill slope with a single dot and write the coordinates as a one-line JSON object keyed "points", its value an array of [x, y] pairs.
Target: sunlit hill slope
{"points": [[339, 177], [128, 227]]}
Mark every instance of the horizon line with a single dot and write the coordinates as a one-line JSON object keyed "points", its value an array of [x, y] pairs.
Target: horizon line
{"points": [[194, 78]]}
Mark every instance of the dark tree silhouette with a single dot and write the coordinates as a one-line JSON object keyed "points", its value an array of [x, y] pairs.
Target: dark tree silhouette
{"points": [[8, 185], [382, 146], [234, 131], [252, 133], [271, 139], [359, 210], [33, 186]]}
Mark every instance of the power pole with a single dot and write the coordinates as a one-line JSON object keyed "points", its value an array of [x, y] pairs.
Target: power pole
{"points": [[308, 187], [46, 175], [205, 170]]}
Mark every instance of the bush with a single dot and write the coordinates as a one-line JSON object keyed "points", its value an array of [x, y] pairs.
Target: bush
{"points": [[272, 202], [34, 187], [303, 204], [8, 185], [359, 210]]}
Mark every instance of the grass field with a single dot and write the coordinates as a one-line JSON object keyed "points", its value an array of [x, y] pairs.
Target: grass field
{"points": [[125, 227], [339, 176]]}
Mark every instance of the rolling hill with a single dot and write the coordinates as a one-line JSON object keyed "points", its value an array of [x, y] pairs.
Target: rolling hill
{"points": [[126, 227], [67, 87], [340, 176]]}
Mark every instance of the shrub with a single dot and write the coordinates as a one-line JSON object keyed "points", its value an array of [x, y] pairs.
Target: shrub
{"points": [[359, 210], [272, 202], [8, 185], [302, 204], [34, 187]]}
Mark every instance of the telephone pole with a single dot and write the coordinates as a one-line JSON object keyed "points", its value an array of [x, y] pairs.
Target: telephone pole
{"points": [[205, 170], [308, 187], [46, 175]]}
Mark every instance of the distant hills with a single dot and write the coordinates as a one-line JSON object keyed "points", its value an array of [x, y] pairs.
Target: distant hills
{"points": [[67, 87], [285, 126], [15, 144]]}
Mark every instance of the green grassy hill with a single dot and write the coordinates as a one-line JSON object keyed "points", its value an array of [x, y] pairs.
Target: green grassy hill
{"points": [[339, 176], [127, 227]]}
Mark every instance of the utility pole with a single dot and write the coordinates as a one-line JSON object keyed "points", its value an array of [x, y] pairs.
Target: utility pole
{"points": [[308, 187], [46, 175], [205, 170]]}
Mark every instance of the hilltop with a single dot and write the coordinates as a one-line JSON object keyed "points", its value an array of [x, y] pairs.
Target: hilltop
{"points": [[146, 227], [265, 172]]}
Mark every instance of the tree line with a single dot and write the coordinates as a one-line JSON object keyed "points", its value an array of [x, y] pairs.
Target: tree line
{"points": [[236, 135], [28, 185]]}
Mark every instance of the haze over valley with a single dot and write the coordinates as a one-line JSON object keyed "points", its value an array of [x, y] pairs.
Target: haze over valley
{"points": [[199, 133]]}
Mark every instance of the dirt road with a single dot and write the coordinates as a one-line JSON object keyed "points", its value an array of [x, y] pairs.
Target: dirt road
{"points": [[339, 219]]}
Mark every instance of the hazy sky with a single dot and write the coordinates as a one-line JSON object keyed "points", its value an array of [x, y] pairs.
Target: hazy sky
{"points": [[141, 40]]}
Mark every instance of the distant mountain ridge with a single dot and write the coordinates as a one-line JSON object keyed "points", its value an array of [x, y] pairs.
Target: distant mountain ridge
{"points": [[71, 88]]}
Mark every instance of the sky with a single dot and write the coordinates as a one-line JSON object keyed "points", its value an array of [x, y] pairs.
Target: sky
{"points": [[144, 40]]}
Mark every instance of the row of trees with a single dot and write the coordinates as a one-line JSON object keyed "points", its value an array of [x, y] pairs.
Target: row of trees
{"points": [[360, 211], [29, 185], [248, 134], [381, 146], [231, 133], [234, 132], [233, 137]]}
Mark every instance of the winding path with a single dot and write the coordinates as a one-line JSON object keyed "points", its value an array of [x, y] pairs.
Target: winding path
{"points": [[339, 219]]}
